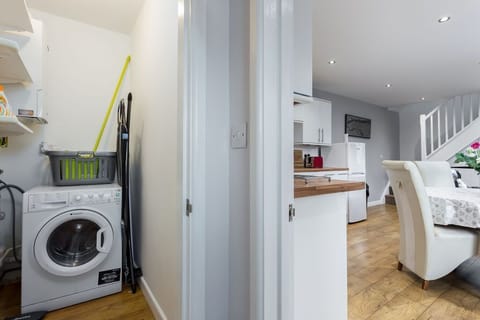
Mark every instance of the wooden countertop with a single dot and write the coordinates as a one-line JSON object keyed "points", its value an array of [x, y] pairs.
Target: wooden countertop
{"points": [[301, 169], [319, 186]]}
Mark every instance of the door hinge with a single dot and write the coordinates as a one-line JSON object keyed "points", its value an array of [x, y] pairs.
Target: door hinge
{"points": [[188, 208], [291, 213]]}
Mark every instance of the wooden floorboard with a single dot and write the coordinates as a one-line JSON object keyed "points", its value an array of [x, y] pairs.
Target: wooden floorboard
{"points": [[378, 291], [123, 305]]}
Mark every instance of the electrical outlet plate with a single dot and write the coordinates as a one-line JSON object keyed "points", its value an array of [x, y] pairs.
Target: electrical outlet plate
{"points": [[238, 136]]}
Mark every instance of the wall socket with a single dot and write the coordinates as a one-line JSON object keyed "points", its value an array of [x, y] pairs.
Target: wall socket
{"points": [[2, 215], [238, 136]]}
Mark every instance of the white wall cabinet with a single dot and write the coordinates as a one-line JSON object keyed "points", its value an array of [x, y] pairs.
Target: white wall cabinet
{"points": [[303, 52], [313, 123]]}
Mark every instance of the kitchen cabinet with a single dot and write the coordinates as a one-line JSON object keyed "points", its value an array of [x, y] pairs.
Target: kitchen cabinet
{"points": [[313, 123], [302, 50], [320, 257]]}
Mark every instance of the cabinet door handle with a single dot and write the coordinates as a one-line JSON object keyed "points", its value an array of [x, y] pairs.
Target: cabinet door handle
{"points": [[319, 135], [322, 136]]}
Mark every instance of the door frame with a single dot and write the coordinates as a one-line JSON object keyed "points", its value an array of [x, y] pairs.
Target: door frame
{"points": [[193, 75], [271, 159]]}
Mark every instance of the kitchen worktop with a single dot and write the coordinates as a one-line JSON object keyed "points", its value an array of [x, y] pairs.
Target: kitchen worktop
{"points": [[318, 186], [301, 169]]}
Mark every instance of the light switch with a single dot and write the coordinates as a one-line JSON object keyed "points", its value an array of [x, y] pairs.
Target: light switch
{"points": [[238, 136]]}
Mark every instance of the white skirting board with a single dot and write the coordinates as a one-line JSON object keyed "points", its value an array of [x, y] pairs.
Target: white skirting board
{"points": [[152, 302], [376, 203]]}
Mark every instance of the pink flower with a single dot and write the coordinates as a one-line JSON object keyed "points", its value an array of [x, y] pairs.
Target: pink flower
{"points": [[475, 145]]}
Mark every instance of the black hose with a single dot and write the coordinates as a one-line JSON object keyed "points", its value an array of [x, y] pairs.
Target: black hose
{"points": [[9, 188], [7, 271]]}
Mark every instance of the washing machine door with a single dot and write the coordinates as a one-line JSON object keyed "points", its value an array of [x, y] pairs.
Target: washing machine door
{"points": [[73, 243]]}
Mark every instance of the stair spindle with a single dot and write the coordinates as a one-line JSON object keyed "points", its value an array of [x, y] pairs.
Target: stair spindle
{"points": [[431, 134]]}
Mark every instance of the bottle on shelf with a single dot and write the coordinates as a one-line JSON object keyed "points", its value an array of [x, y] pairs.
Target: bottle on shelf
{"points": [[4, 107]]}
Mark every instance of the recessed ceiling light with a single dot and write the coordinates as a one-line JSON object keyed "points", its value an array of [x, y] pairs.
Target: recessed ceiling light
{"points": [[422, 99], [332, 62], [388, 85], [444, 19]]}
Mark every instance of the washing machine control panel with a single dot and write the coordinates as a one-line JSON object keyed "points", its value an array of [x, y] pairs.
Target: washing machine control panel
{"points": [[95, 197], [47, 201], [61, 199]]}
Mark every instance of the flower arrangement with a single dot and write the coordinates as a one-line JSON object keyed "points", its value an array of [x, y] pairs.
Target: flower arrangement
{"points": [[471, 156]]}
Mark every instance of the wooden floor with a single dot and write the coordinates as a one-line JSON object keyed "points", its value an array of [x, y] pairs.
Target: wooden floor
{"points": [[124, 305], [377, 291]]}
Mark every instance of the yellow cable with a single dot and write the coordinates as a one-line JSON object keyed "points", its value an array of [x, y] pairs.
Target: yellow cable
{"points": [[112, 102]]}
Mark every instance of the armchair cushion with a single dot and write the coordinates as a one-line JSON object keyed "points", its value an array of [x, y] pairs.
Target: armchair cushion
{"points": [[436, 173]]}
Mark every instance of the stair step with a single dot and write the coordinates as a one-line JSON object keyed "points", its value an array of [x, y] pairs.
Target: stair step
{"points": [[389, 199]]}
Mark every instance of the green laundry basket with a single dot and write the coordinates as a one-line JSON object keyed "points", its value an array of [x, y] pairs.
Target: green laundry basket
{"points": [[70, 168]]}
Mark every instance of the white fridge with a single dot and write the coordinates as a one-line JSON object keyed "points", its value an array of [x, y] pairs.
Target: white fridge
{"points": [[350, 155]]}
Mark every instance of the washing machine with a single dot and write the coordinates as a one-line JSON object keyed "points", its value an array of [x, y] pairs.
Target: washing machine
{"points": [[72, 245]]}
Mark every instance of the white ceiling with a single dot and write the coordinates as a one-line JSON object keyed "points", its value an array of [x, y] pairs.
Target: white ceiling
{"points": [[116, 15], [376, 42]]}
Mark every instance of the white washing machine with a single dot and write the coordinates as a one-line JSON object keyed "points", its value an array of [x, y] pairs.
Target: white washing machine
{"points": [[71, 245]]}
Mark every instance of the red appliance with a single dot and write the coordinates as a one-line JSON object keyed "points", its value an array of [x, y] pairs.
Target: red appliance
{"points": [[317, 162]]}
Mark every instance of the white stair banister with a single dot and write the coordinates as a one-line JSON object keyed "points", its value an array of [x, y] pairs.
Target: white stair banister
{"points": [[433, 146]]}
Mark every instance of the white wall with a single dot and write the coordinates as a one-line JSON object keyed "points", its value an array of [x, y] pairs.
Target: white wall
{"points": [[80, 72], [155, 146]]}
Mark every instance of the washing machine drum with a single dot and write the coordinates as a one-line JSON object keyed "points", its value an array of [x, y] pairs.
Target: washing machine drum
{"points": [[73, 243]]}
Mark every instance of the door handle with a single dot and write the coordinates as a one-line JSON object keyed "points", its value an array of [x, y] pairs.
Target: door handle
{"points": [[101, 240]]}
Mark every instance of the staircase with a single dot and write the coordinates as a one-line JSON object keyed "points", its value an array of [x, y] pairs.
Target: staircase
{"points": [[390, 198], [450, 127]]}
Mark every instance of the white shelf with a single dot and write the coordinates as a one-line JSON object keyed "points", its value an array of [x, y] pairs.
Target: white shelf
{"points": [[29, 120], [11, 126], [12, 68], [15, 16]]}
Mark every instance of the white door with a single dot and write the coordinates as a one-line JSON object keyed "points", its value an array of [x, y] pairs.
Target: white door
{"points": [[73, 242]]}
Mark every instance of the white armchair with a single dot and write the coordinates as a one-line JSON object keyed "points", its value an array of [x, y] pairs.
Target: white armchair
{"points": [[429, 251], [436, 174]]}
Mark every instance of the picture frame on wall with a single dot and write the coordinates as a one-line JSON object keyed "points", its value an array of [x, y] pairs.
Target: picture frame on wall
{"points": [[359, 127]]}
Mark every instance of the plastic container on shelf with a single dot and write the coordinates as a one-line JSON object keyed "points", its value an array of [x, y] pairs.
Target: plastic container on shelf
{"points": [[4, 107]]}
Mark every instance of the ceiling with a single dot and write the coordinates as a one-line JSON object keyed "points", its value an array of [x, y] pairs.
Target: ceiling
{"points": [[375, 42], [116, 15]]}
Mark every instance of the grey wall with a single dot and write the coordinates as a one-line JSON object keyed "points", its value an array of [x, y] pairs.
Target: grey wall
{"points": [[384, 142], [409, 117]]}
